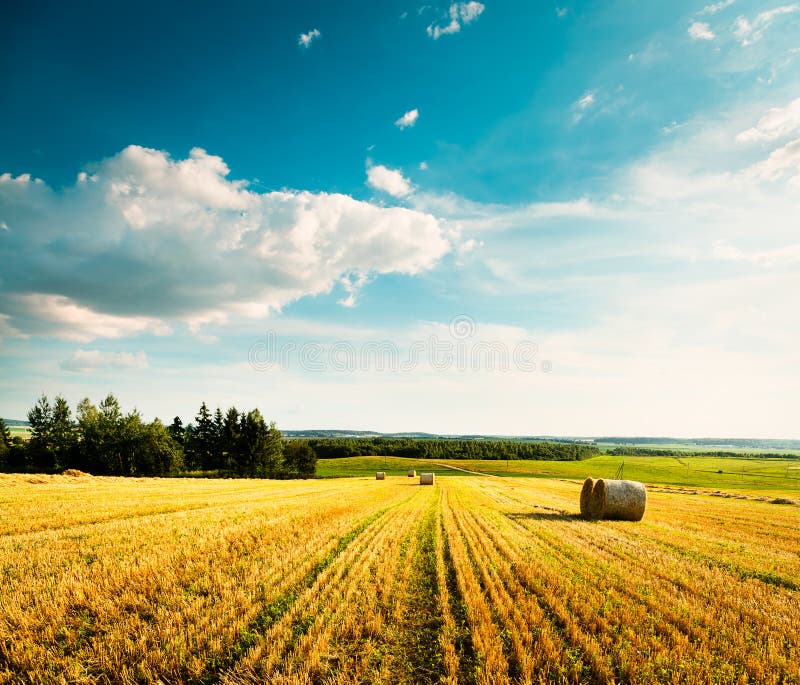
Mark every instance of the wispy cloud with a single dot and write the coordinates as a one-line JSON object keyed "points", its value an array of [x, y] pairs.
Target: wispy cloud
{"points": [[750, 31], [789, 254], [716, 7], [582, 104], [776, 123], [304, 40], [408, 119], [700, 30], [460, 14], [93, 361]]}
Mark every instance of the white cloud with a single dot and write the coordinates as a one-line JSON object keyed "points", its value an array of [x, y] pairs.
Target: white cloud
{"points": [[561, 12], [699, 30], [784, 162], [304, 40], [788, 254], [92, 361], [751, 31], [423, 166], [388, 180], [670, 128], [21, 180], [460, 14], [582, 104], [353, 284], [776, 123], [156, 241], [480, 217], [408, 119], [62, 317], [716, 7], [585, 101]]}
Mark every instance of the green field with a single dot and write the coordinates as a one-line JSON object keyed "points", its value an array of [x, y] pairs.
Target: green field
{"points": [[19, 431], [707, 472]]}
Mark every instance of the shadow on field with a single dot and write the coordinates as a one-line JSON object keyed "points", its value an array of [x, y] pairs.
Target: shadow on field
{"points": [[549, 515]]}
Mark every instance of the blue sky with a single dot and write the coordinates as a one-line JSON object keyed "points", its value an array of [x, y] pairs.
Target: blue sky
{"points": [[610, 188]]}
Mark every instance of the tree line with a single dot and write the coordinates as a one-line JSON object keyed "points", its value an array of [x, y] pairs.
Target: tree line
{"points": [[447, 448], [655, 452], [103, 440]]}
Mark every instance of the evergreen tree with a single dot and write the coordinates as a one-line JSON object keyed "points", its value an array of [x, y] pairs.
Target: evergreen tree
{"points": [[40, 445], [176, 430], [231, 434], [217, 460], [203, 439], [5, 445]]}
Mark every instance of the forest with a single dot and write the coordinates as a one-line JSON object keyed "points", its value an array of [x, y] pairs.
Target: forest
{"points": [[104, 440], [444, 448]]}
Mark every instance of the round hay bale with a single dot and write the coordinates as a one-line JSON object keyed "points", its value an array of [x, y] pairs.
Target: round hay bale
{"points": [[412, 473], [618, 500], [380, 475], [426, 478], [586, 496]]}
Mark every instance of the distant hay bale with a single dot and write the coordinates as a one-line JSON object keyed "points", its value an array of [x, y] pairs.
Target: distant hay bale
{"points": [[618, 500], [412, 473], [75, 473], [381, 475], [586, 496], [426, 478]]}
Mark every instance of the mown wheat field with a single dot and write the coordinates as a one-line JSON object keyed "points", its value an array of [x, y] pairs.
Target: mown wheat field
{"points": [[473, 580]]}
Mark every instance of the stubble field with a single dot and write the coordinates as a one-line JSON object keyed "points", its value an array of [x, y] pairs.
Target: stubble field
{"points": [[474, 580]]}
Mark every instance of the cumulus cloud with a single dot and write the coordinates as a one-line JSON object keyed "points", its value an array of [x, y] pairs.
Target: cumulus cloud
{"points": [[388, 180], [304, 40], [751, 31], [776, 123], [92, 361], [146, 242], [408, 119], [699, 30], [460, 14]]}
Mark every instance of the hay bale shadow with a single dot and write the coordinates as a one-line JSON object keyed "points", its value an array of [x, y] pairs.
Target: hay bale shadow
{"points": [[549, 515]]}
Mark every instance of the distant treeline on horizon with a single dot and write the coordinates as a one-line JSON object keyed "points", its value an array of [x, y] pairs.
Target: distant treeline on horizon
{"points": [[643, 442], [447, 448]]}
